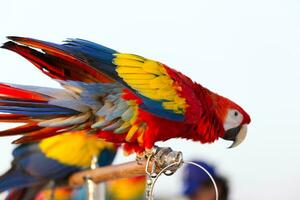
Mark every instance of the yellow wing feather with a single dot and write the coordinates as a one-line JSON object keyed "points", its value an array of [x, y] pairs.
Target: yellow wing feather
{"points": [[150, 79], [73, 148]]}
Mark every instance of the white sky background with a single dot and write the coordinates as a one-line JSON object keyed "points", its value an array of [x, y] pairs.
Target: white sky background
{"points": [[248, 51]]}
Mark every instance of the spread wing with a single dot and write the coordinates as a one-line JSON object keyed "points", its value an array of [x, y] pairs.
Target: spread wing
{"points": [[97, 80], [81, 60]]}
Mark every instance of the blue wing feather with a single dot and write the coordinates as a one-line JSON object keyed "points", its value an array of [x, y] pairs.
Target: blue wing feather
{"points": [[31, 111], [155, 107]]}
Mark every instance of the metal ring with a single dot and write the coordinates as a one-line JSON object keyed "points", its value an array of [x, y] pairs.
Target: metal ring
{"points": [[191, 163], [210, 176]]}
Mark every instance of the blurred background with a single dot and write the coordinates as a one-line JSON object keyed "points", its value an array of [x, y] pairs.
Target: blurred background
{"points": [[248, 51]]}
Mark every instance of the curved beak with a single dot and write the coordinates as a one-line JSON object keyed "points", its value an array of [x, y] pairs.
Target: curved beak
{"points": [[237, 135]]}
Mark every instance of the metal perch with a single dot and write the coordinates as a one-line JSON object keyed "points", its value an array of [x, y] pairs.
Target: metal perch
{"points": [[159, 161], [124, 170]]}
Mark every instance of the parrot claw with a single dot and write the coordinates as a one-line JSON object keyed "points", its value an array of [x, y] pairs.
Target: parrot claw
{"points": [[163, 160], [140, 158]]}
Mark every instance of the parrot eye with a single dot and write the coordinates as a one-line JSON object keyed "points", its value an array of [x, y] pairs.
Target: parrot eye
{"points": [[236, 113]]}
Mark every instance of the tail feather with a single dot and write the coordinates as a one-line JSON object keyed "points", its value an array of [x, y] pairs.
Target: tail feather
{"points": [[20, 101], [23, 129], [8, 92], [38, 135], [56, 93], [17, 102], [32, 111], [31, 131], [14, 118], [31, 108]]}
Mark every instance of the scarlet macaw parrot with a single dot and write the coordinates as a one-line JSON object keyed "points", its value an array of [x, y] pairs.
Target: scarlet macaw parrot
{"points": [[54, 159], [123, 98]]}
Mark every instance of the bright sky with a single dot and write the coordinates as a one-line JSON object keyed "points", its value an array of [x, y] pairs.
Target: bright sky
{"points": [[248, 51]]}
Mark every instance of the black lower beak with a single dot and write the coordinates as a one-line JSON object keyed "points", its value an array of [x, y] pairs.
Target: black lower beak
{"points": [[231, 134], [237, 135]]}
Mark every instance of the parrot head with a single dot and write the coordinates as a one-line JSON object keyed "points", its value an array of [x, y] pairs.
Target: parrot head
{"points": [[234, 120]]}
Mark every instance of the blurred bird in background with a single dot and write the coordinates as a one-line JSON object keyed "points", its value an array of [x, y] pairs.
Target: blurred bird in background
{"points": [[49, 163]]}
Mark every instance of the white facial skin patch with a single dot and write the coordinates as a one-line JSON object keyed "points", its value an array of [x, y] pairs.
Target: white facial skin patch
{"points": [[233, 119]]}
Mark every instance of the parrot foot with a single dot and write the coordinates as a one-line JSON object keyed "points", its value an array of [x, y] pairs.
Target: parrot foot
{"points": [[163, 160], [161, 157], [165, 157]]}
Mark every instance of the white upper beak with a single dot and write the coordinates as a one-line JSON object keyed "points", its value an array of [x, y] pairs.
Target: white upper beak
{"points": [[240, 137]]}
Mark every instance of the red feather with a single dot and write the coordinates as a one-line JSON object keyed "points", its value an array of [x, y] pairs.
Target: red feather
{"points": [[23, 129], [55, 63], [7, 91], [38, 135], [15, 118]]}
